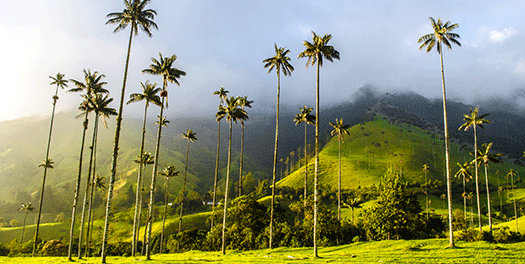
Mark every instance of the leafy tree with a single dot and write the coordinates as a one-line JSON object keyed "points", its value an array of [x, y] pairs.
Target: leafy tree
{"points": [[474, 120], [149, 95], [60, 82], [223, 94], [484, 156], [340, 130], [442, 35], [280, 62], [168, 172], [136, 15], [308, 119], [315, 52], [191, 137], [232, 112], [396, 213], [243, 102], [26, 207], [163, 67]]}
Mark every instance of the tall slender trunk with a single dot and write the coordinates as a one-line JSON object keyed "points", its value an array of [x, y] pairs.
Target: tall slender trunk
{"points": [[166, 185], [88, 185], [305, 169], [488, 197], [90, 210], [426, 192], [447, 156], [114, 158], [226, 191], [77, 189], [149, 221], [339, 185], [184, 185], [242, 159], [23, 228], [464, 199], [138, 194], [514, 200], [476, 175], [140, 210], [216, 171], [275, 157], [55, 98], [316, 172]]}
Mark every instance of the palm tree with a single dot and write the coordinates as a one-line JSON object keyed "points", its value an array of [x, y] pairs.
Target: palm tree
{"points": [[147, 159], [315, 52], [425, 170], [164, 68], [149, 94], [60, 83], [465, 174], [232, 112], [512, 173], [280, 62], [353, 203], [98, 183], [484, 156], [26, 207], [308, 119], [223, 94], [92, 85], [191, 137], [243, 102], [136, 15], [470, 195], [340, 130], [474, 120], [443, 35], [168, 172]]}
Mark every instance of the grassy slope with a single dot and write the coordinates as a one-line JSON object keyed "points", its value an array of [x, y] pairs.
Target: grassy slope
{"points": [[401, 251]]}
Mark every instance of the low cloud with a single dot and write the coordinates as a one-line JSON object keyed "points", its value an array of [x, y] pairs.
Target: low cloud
{"points": [[500, 36]]}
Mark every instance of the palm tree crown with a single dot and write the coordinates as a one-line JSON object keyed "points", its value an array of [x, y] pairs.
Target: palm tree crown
{"points": [[319, 49], [222, 93], [279, 62], [149, 94], [442, 35], [305, 116], [231, 111], [92, 83], [165, 68], [340, 129], [190, 135], [134, 13], [474, 119]]}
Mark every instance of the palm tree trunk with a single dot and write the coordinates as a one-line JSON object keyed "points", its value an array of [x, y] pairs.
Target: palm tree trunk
{"points": [[226, 191], [339, 185], [77, 188], [488, 197], [164, 217], [464, 199], [275, 158], [216, 171], [305, 169], [23, 228], [426, 192], [55, 98], [514, 199], [447, 155], [86, 194], [139, 191], [140, 211], [476, 175], [242, 159], [90, 210], [184, 185], [115, 154], [316, 172], [149, 221]]}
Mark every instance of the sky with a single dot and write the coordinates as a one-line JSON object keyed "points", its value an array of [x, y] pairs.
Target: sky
{"points": [[223, 43]]}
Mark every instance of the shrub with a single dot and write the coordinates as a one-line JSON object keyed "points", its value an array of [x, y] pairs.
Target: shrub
{"points": [[54, 248]]}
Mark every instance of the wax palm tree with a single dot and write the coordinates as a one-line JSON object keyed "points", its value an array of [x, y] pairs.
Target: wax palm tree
{"points": [[138, 16], [340, 130], [425, 171], [60, 83], [149, 95], [474, 120], [26, 207], [243, 102], [316, 52], [147, 159], [442, 35], [484, 156], [465, 174], [308, 119], [469, 197], [46, 164], [91, 85], [168, 172], [353, 203], [191, 137], [163, 67], [280, 62], [512, 173], [98, 184], [232, 112], [223, 94]]}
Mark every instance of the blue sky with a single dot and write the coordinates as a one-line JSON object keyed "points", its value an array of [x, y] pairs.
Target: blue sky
{"points": [[223, 43]]}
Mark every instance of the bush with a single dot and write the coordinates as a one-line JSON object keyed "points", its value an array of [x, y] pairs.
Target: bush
{"points": [[4, 251], [54, 248], [504, 235]]}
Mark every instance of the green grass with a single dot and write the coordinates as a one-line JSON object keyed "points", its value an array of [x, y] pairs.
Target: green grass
{"points": [[392, 251]]}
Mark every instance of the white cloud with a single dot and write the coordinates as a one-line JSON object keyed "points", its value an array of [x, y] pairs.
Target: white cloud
{"points": [[500, 36]]}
